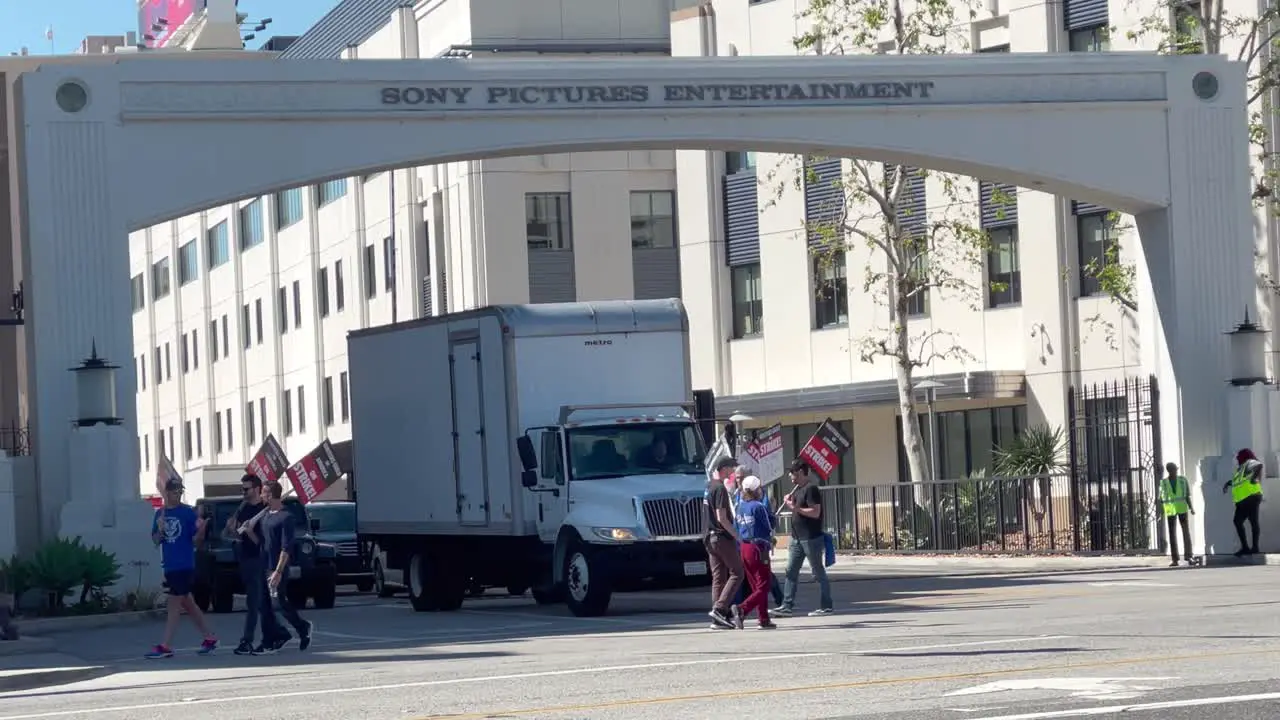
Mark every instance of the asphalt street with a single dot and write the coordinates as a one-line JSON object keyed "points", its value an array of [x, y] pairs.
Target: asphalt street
{"points": [[1168, 644]]}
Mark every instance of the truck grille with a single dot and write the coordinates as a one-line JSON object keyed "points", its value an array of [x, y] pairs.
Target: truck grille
{"points": [[348, 548], [673, 517]]}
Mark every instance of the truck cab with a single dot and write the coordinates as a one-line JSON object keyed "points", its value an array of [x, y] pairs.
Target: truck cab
{"points": [[619, 492]]}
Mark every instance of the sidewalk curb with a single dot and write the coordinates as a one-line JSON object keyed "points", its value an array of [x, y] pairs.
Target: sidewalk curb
{"points": [[36, 679], [26, 646], [78, 623]]}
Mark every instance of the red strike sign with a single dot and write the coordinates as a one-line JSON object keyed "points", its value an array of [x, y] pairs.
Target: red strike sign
{"points": [[826, 449]]}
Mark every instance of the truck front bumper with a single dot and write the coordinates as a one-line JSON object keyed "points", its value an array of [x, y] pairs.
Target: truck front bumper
{"points": [[657, 563]]}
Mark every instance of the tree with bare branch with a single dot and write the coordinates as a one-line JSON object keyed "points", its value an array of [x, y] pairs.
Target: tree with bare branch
{"points": [[915, 254]]}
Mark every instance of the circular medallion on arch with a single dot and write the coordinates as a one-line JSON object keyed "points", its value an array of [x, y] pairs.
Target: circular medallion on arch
{"points": [[72, 96], [1205, 85]]}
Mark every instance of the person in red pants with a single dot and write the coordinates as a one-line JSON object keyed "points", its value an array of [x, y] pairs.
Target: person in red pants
{"points": [[755, 526]]}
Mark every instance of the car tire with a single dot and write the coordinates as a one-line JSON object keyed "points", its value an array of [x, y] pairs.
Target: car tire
{"points": [[224, 601], [516, 590], [364, 586], [380, 581], [587, 589], [325, 597]]}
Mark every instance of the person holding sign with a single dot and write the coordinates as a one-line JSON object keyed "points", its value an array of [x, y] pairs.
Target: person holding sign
{"points": [[277, 531], [248, 545], [176, 530], [808, 541]]}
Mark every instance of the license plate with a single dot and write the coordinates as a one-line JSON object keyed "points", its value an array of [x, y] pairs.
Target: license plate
{"points": [[295, 572], [695, 568]]}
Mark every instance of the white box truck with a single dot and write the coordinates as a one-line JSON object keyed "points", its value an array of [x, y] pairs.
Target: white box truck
{"points": [[545, 446]]}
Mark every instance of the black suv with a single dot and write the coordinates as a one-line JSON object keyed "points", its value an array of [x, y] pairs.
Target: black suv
{"points": [[312, 567], [335, 523]]}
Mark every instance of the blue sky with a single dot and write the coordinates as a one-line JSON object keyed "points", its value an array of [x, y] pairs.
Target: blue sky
{"points": [[23, 22]]}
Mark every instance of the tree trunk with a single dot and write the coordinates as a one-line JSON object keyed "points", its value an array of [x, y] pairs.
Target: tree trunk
{"points": [[912, 440]]}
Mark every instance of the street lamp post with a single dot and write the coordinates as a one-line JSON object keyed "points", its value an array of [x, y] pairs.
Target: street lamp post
{"points": [[930, 388]]}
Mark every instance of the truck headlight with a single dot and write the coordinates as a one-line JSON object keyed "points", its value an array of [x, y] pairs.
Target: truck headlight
{"points": [[615, 534], [306, 547]]}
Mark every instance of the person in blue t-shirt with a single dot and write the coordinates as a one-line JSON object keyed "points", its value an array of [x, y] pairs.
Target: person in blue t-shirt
{"points": [[775, 587], [755, 526], [177, 530]]}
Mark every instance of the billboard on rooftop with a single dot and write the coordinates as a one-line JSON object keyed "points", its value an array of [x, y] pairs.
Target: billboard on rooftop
{"points": [[173, 13]]}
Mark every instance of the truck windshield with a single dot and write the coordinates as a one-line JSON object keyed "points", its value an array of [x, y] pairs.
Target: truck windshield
{"points": [[610, 451]]}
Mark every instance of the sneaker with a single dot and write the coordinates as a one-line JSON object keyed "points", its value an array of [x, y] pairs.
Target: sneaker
{"points": [[281, 643], [767, 626], [304, 642], [820, 612], [782, 611], [718, 626], [720, 619], [264, 649], [736, 612], [158, 652], [244, 648], [208, 646]]}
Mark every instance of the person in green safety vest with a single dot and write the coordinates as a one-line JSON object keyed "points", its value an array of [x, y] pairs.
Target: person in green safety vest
{"points": [[1175, 496], [1246, 492]]}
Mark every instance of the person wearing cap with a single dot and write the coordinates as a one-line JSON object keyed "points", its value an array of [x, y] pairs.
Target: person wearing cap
{"points": [[808, 541], [723, 555], [1175, 498], [1246, 492], [755, 528], [177, 530]]}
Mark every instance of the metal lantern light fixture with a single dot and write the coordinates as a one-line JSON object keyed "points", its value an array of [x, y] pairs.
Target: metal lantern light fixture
{"points": [[96, 391], [1248, 353]]}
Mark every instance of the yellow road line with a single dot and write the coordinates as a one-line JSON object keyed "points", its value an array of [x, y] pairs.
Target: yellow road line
{"points": [[739, 694]]}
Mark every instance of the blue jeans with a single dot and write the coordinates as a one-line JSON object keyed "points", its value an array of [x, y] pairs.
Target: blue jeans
{"points": [[255, 590], [815, 551]]}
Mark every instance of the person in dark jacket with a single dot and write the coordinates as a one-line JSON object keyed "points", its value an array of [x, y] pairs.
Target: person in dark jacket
{"points": [[1246, 492]]}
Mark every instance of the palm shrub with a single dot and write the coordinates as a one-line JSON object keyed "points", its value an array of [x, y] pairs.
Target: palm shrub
{"points": [[57, 568], [101, 571], [1037, 452]]}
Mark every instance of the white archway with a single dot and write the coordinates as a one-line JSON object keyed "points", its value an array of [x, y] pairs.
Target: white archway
{"points": [[1162, 138]]}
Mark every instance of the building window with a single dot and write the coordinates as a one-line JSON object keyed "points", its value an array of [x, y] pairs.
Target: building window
{"points": [[168, 365], [186, 441], [389, 262], [302, 409], [1188, 35], [142, 370], [139, 290], [548, 221], [1004, 273], [288, 207], [257, 316], [370, 272], [195, 349], [199, 439], [287, 404], [218, 245], [170, 436], [339, 287], [1089, 39], [160, 279], [830, 291], [297, 304], [344, 397], [653, 219], [230, 437], [736, 162], [1099, 247], [262, 416], [188, 263], [326, 402], [217, 432], [282, 309], [156, 367], [250, 432], [322, 291], [327, 192], [146, 452], [967, 440], [251, 231], [213, 341], [245, 327], [226, 347], [748, 300], [184, 356]]}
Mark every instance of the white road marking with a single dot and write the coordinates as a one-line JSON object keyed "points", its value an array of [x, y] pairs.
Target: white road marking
{"points": [[1167, 705], [1081, 687], [1132, 583], [501, 678]]}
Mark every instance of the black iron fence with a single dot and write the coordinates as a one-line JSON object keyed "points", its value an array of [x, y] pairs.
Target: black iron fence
{"points": [[15, 440], [990, 515]]}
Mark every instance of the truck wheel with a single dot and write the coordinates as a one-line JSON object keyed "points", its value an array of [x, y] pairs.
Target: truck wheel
{"points": [[325, 596], [587, 590], [380, 581], [200, 594], [418, 577], [451, 582], [224, 600]]}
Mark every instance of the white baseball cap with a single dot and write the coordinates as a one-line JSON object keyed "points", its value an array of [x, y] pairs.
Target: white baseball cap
{"points": [[751, 482]]}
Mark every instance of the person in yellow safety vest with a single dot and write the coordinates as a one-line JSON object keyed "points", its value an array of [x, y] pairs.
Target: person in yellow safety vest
{"points": [[1246, 492], [1175, 496]]}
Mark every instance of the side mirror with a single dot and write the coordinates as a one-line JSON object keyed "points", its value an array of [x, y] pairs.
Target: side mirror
{"points": [[529, 478], [528, 458], [315, 526]]}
